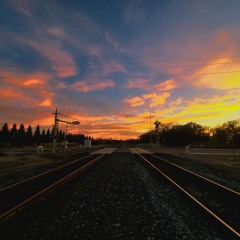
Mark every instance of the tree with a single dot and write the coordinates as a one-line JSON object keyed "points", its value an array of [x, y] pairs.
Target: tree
{"points": [[37, 136], [21, 137], [43, 136], [5, 134], [226, 133], [48, 136], [13, 134], [29, 136]]}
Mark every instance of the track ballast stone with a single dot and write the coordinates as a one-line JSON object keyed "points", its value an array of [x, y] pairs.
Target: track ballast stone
{"points": [[120, 198]]}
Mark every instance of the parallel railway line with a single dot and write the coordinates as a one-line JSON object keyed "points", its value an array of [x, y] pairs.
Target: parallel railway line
{"points": [[17, 196], [220, 202]]}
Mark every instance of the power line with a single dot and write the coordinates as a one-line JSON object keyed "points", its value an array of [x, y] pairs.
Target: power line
{"points": [[100, 64], [109, 78], [147, 68]]}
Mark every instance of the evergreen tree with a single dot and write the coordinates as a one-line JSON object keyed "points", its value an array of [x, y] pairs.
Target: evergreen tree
{"points": [[5, 134], [37, 135], [21, 137], [48, 136], [29, 136], [43, 136], [13, 134], [60, 136]]}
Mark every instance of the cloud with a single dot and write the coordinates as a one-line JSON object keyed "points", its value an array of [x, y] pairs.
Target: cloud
{"points": [[225, 75], [32, 82], [46, 103], [158, 95], [149, 100], [74, 53], [88, 86], [145, 84], [9, 93], [203, 110], [135, 101], [157, 100], [61, 61], [138, 83], [166, 85], [24, 89]]}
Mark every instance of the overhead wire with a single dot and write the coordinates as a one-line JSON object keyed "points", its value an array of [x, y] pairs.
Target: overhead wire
{"points": [[126, 62], [147, 68], [149, 76], [31, 71]]}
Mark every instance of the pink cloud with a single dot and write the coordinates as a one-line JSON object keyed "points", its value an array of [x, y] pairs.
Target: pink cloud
{"points": [[167, 85], [138, 83], [88, 86], [106, 67], [56, 32], [62, 62]]}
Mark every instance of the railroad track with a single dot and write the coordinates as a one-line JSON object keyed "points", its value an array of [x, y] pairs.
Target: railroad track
{"points": [[18, 196], [220, 203]]}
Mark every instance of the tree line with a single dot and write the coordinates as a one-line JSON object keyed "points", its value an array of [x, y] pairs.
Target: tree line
{"points": [[169, 134], [25, 136]]}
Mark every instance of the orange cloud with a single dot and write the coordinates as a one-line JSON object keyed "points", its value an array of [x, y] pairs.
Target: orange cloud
{"points": [[145, 84], [135, 101], [26, 89], [167, 85], [157, 99], [32, 82], [207, 111], [9, 93], [228, 79], [46, 103]]}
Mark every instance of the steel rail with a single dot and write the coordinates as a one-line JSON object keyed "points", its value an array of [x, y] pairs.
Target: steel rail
{"points": [[197, 175], [215, 216], [5, 215], [42, 174]]}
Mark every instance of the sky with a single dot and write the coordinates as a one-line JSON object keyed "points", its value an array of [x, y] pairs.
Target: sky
{"points": [[117, 66]]}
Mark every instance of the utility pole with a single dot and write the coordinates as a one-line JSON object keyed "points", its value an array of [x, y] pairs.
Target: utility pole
{"points": [[157, 123], [150, 127], [64, 119], [55, 128]]}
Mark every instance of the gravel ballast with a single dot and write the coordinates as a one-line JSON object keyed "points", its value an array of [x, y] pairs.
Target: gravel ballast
{"points": [[119, 198]]}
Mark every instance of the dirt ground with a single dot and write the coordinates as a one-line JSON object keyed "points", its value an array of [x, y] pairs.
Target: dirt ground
{"points": [[17, 164]]}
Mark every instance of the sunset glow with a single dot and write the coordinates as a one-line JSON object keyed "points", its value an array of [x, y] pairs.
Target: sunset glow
{"points": [[177, 61]]}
